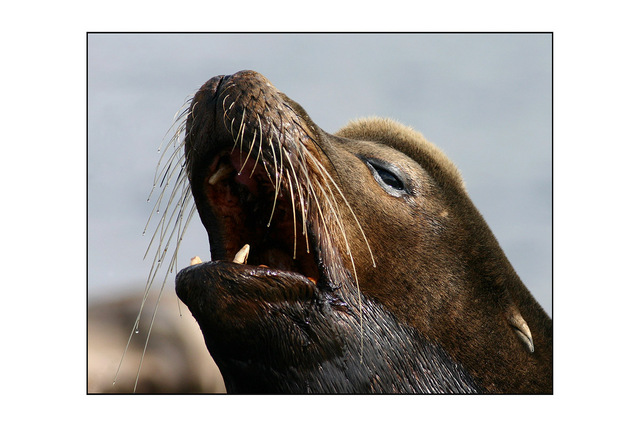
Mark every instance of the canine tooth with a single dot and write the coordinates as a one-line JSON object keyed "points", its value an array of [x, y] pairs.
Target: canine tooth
{"points": [[242, 255], [195, 260], [223, 171]]}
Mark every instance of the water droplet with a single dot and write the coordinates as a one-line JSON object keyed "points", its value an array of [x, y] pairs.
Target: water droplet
{"points": [[137, 331]]}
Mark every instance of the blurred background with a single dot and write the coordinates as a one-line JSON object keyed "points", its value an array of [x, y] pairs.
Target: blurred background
{"points": [[484, 99]]}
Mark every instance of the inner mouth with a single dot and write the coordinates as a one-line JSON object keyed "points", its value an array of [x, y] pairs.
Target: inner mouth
{"points": [[253, 205]]}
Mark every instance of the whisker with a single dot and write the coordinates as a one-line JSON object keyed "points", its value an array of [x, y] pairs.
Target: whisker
{"points": [[253, 141], [153, 318], [293, 208], [177, 209], [181, 176], [167, 164], [240, 135], [177, 186], [171, 163], [326, 174], [181, 125], [277, 180], [303, 208], [259, 148]]}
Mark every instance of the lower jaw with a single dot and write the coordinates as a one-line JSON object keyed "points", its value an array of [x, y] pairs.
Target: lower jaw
{"points": [[229, 289]]}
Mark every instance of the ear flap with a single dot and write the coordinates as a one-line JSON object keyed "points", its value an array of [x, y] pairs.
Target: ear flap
{"points": [[521, 328]]}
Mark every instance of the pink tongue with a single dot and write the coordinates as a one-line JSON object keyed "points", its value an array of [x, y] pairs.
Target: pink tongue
{"points": [[238, 161]]}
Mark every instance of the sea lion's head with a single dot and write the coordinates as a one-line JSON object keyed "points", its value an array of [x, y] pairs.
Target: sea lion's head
{"points": [[350, 262]]}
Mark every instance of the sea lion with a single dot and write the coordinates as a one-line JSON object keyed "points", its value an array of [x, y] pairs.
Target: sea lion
{"points": [[347, 263]]}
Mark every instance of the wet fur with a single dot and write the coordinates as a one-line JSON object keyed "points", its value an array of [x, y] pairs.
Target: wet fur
{"points": [[438, 269]]}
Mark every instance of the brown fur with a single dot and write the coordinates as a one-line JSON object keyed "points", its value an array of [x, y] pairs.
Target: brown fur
{"points": [[439, 269]]}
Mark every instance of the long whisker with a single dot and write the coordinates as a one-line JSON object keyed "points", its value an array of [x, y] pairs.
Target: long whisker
{"points": [[277, 180], [253, 141], [172, 222], [240, 135], [335, 214], [302, 203], [326, 174], [179, 166], [259, 147], [293, 207]]}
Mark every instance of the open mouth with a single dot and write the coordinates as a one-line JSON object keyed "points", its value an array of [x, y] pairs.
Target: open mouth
{"points": [[251, 167], [258, 217]]}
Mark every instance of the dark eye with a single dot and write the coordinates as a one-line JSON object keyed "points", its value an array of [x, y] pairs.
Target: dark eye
{"points": [[388, 176]]}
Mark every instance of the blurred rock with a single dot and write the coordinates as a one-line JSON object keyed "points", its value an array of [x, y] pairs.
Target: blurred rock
{"points": [[176, 359]]}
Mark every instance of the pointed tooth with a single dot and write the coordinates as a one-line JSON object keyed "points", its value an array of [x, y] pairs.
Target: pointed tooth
{"points": [[223, 171], [195, 260], [242, 255]]}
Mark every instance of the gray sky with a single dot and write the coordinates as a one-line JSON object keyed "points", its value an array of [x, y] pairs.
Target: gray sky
{"points": [[484, 99]]}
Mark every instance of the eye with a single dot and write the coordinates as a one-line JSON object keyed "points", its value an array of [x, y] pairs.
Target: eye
{"points": [[388, 176]]}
